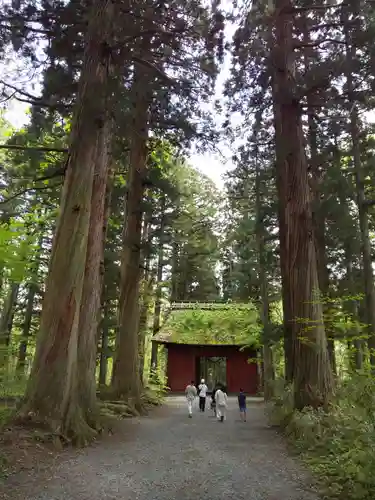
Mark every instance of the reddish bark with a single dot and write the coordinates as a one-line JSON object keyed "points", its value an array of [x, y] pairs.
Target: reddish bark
{"points": [[52, 392], [311, 368], [91, 295]]}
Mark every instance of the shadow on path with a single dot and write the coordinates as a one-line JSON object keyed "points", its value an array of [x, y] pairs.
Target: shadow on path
{"points": [[167, 456]]}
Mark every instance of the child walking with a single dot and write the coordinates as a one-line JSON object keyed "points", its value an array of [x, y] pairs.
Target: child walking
{"points": [[242, 405]]}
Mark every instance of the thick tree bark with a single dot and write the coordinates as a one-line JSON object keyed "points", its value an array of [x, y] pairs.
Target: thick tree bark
{"points": [[53, 392], [360, 188], [92, 287], [312, 371], [318, 216], [125, 380]]}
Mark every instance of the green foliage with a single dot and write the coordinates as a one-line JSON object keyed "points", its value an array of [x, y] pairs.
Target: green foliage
{"points": [[11, 389], [156, 389], [195, 231], [234, 325], [338, 445], [16, 247]]}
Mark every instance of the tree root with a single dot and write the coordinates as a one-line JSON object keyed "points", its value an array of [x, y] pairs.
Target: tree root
{"points": [[118, 409], [73, 429]]}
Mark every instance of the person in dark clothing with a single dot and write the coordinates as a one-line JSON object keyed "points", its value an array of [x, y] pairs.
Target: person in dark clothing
{"points": [[242, 405], [213, 401]]}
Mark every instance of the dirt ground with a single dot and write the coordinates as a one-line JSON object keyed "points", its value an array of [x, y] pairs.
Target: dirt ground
{"points": [[168, 456]]}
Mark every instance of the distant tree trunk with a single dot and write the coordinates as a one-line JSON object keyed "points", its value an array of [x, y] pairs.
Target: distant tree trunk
{"points": [[287, 312], [360, 188], [125, 379], [268, 373], [103, 328], [312, 371], [6, 322], [55, 387], [323, 278], [159, 280], [1, 278], [356, 344], [30, 299], [103, 366], [174, 271], [145, 308], [148, 281], [22, 352]]}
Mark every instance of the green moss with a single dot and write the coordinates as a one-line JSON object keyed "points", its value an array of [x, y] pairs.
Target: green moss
{"points": [[236, 325]]}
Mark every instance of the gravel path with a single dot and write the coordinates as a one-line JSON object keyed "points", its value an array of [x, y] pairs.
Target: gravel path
{"points": [[168, 456]]}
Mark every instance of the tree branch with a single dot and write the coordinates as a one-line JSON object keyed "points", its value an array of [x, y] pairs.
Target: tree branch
{"points": [[24, 191], [45, 149], [34, 100], [317, 43], [152, 66]]}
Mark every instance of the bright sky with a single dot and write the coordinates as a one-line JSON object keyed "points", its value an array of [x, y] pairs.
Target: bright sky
{"points": [[214, 164]]}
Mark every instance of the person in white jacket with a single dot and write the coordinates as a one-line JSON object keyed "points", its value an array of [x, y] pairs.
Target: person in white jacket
{"points": [[202, 390], [191, 394], [221, 399]]}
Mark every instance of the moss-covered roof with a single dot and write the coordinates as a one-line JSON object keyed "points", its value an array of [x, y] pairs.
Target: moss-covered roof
{"points": [[235, 325]]}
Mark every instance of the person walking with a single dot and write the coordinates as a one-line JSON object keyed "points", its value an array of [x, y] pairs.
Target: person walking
{"points": [[221, 399], [242, 405], [191, 394], [213, 402], [202, 388]]}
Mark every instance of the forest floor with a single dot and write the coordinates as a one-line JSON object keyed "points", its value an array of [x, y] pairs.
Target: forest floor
{"points": [[166, 456]]}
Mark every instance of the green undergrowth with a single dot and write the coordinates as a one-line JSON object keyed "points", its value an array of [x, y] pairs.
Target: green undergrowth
{"points": [[338, 445], [11, 390]]}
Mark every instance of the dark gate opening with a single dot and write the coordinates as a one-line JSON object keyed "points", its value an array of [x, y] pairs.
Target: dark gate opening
{"points": [[212, 369]]}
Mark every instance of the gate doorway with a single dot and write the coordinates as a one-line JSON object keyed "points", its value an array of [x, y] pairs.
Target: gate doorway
{"points": [[212, 369]]}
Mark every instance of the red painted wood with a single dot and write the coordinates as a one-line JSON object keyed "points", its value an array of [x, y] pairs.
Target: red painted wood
{"points": [[180, 368], [240, 373]]}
